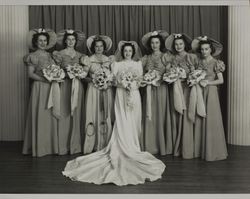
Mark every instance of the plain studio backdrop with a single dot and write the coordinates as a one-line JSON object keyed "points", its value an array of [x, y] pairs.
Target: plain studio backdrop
{"points": [[118, 22]]}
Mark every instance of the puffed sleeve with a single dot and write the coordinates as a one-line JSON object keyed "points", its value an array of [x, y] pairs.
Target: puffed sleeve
{"points": [[140, 70], [193, 61], [111, 58], [167, 59], [144, 60], [30, 60], [114, 67], [56, 55], [219, 66], [85, 61]]}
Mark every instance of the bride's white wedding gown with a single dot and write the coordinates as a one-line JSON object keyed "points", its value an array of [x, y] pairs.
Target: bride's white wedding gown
{"points": [[121, 162]]}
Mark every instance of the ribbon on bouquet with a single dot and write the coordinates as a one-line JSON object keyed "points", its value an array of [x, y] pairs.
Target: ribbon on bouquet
{"points": [[54, 99], [196, 103], [104, 106], [149, 93], [74, 94], [179, 101]]}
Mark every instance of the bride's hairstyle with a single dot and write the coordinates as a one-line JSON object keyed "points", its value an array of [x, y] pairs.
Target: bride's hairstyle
{"points": [[66, 36], [92, 48], [123, 47], [36, 36], [206, 42], [162, 45]]}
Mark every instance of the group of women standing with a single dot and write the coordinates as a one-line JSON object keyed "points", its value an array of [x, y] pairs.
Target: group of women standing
{"points": [[166, 118]]}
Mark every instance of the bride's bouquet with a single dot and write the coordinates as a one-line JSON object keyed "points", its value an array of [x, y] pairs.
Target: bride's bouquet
{"points": [[173, 74], [195, 77], [102, 78], [129, 80], [76, 71], [152, 77], [53, 73]]}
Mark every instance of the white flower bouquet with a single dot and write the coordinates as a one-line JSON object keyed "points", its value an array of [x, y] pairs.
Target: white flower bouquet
{"points": [[195, 77], [102, 79], [53, 73], [152, 77], [76, 71], [173, 74]]}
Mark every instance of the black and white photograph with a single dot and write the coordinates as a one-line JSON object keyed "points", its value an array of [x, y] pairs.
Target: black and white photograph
{"points": [[111, 98]]}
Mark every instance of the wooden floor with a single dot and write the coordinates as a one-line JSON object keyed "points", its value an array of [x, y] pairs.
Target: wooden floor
{"points": [[24, 174]]}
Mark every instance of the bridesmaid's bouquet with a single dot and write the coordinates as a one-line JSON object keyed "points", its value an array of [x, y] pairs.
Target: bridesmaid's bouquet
{"points": [[152, 77], [76, 71], [195, 77], [102, 78], [53, 73], [173, 74]]}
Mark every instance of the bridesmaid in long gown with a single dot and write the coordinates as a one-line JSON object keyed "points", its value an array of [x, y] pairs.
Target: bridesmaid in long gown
{"points": [[157, 131], [41, 131], [69, 124], [99, 103], [186, 143], [213, 145], [121, 162]]}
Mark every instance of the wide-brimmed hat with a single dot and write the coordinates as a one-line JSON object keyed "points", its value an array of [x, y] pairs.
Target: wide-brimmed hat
{"points": [[52, 37], [169, 41], [118, 54], [217, 45], [164, 34], [105, 38], [80, 37]]}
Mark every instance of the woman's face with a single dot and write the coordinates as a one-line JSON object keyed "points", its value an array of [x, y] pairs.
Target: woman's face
{"points": [[155, 44], [70, 41], [42, 42], [179, 45], [205, 50], [128, 52], [99, 48]]}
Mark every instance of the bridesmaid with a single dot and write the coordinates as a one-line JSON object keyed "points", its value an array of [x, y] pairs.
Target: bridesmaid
{"points": [[41, 131], [69, 126], [99, 103], [183, 128], [157, 135], [213, 146]]}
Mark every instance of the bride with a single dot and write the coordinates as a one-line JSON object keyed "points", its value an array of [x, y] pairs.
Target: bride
{"points": [[121, 162]]}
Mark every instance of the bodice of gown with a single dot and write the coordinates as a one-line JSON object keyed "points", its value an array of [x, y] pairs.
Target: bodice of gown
{"points": [[39, 60], [153, 62], [188, 62], [212, 67], [64, 59], [135, 67], [92, 63]]}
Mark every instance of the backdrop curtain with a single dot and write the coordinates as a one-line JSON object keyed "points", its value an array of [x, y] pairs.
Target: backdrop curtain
{"points": [[132, 22]]}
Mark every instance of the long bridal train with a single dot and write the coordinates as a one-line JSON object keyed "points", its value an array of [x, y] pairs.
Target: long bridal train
{"points": [[121, 162]]}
